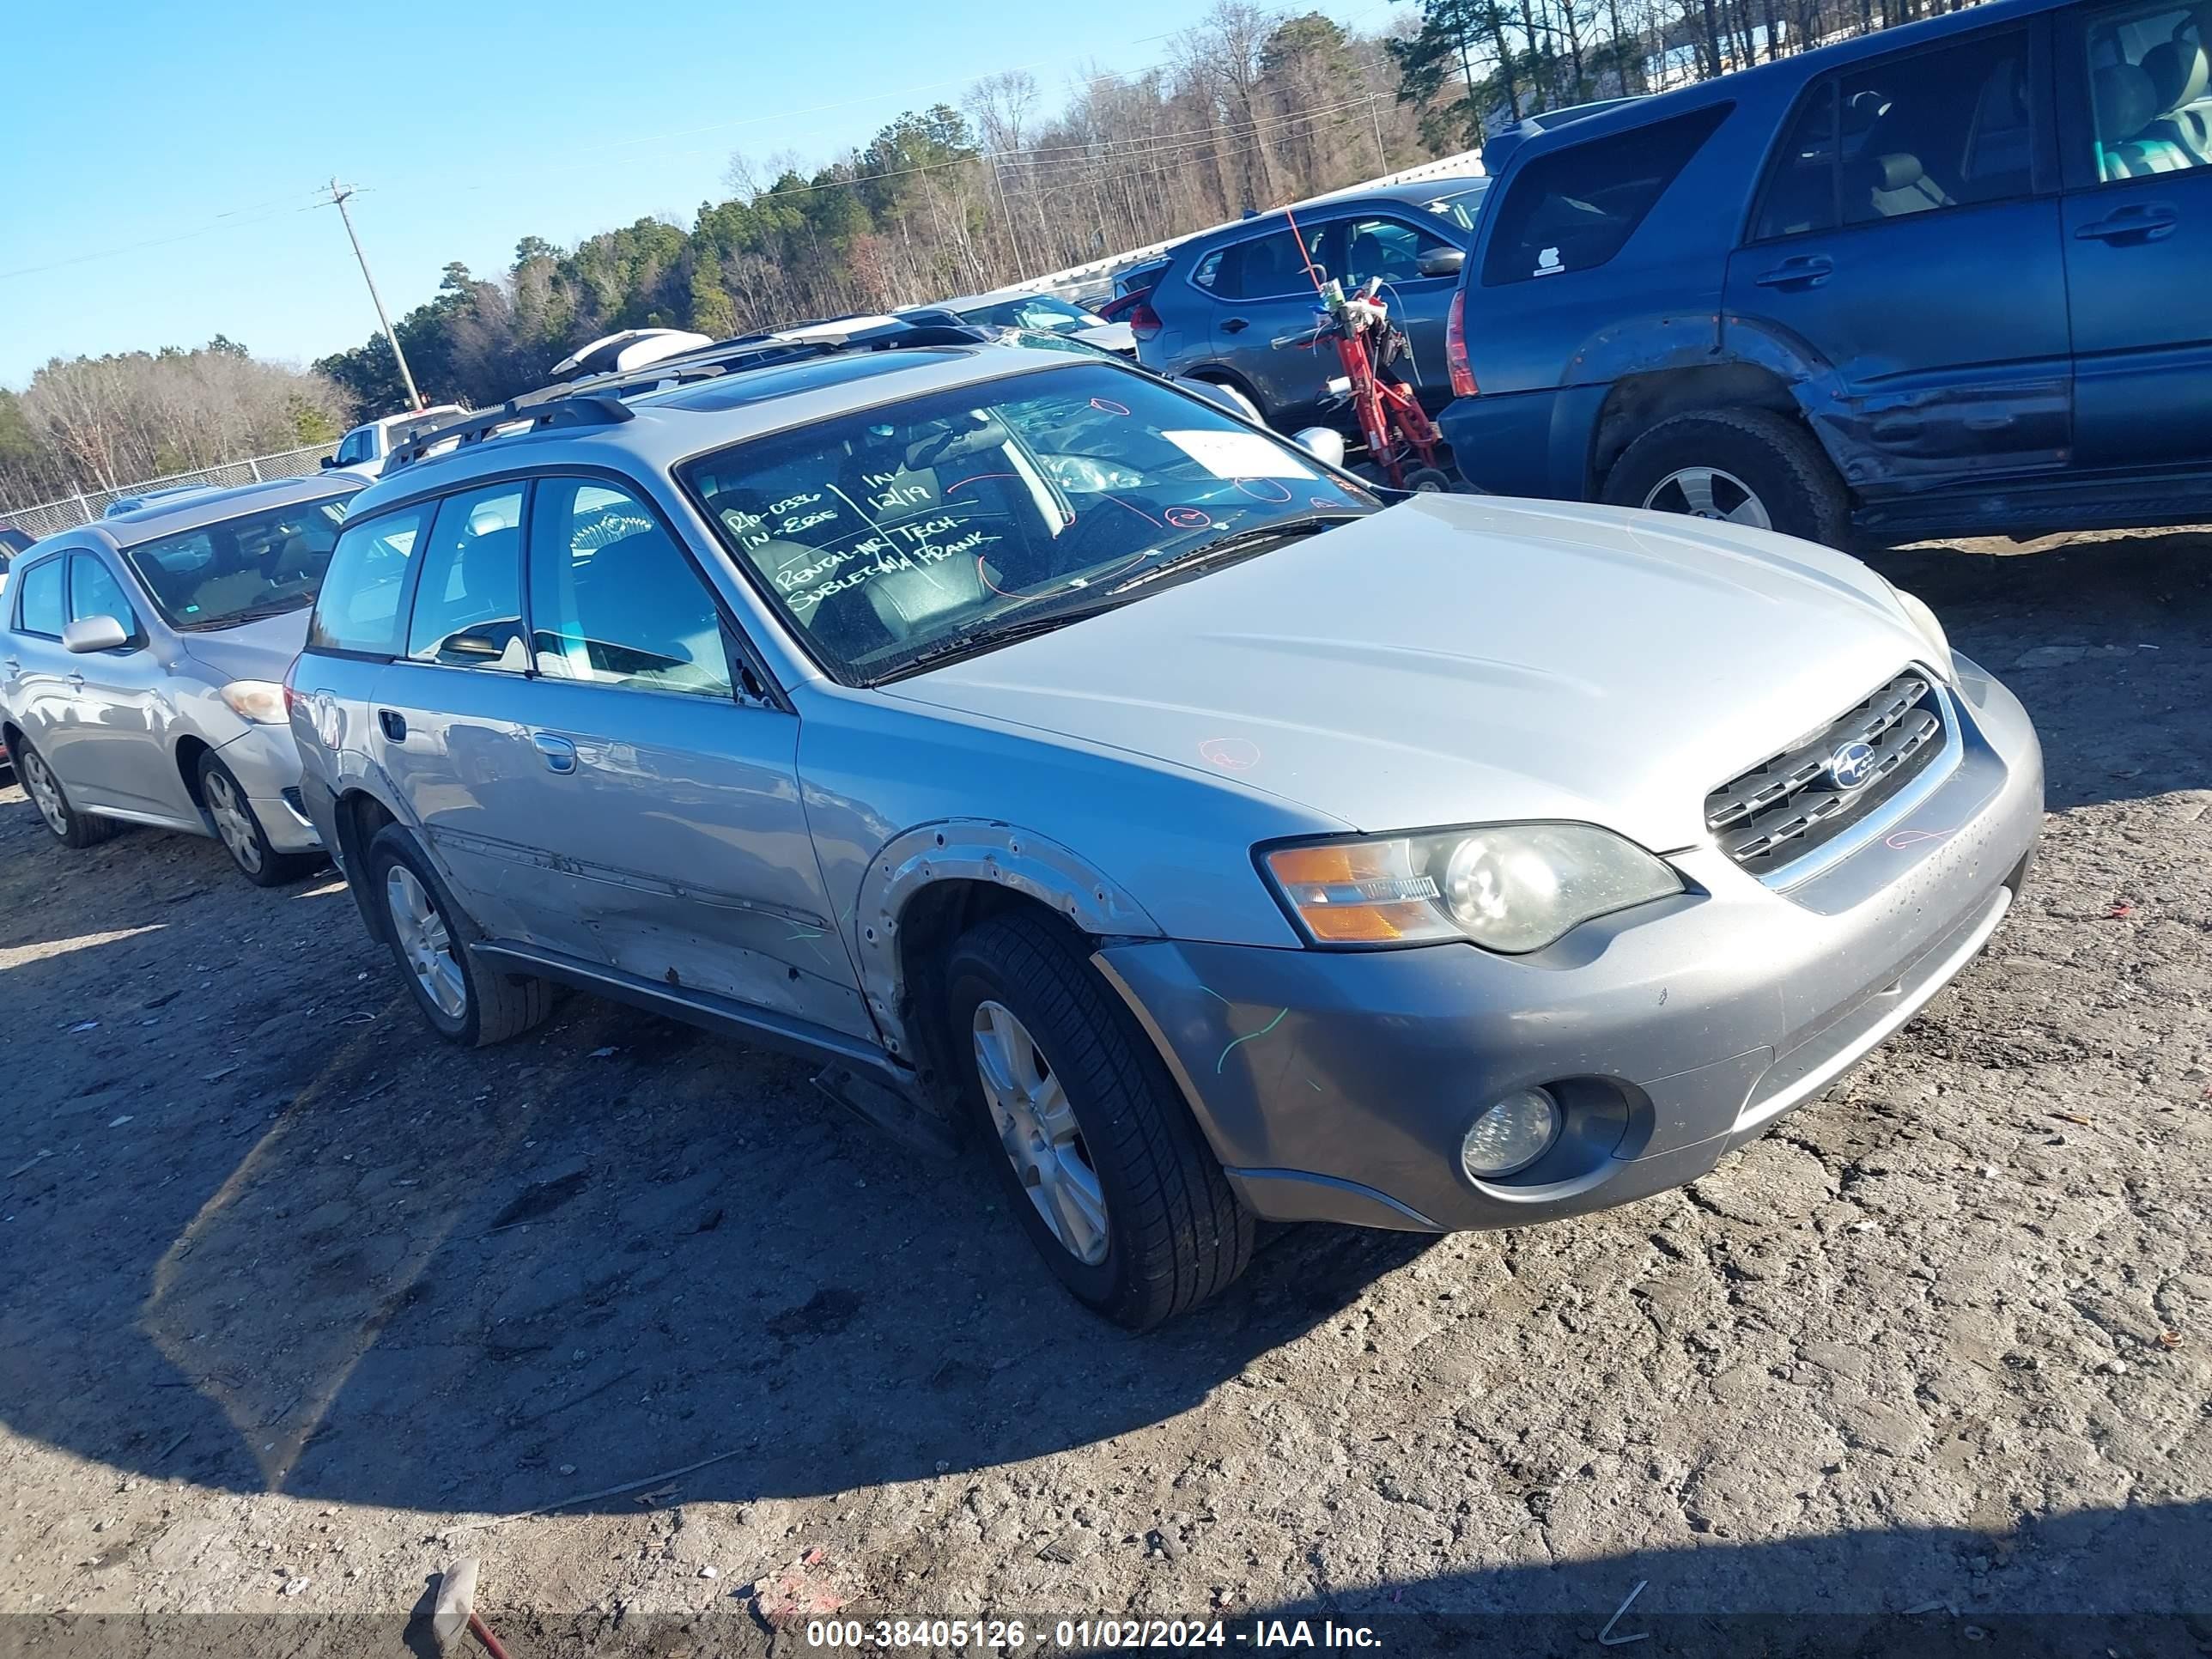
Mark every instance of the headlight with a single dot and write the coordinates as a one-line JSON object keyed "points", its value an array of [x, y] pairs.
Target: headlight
{"points": [[259, 700], [1939, 644], [1511, 888]]}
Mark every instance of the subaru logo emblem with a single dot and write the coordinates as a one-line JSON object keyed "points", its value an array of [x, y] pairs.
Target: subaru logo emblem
{"points": [[1851, 765]]}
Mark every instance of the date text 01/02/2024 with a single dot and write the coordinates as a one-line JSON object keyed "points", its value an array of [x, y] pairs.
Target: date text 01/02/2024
{"points": [[1083, 1635]]}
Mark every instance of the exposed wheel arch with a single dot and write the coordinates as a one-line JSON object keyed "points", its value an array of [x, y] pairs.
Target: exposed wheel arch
{"points": [[189, 750], [1217, 375], [1636, 403], [360, 815]]}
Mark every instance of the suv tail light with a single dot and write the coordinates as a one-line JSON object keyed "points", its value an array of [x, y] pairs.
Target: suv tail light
{"points": [[1144, 321], [1462, 372]]}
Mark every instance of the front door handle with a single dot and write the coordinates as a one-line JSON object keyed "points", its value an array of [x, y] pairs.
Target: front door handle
{"points": [[394, 724], [1807, 271], [2139, 222], [76, 680], [559, 754], [1234, 324]]}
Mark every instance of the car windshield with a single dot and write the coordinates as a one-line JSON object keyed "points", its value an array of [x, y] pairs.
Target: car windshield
{"points": [[257, 565], [911, 531], [1462, 207], [1042, 311]]}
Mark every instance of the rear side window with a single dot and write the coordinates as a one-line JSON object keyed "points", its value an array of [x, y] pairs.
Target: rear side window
{"points": [[1902, 135], [468, 601], [358, 608], [1268, 267], [42, 599], [1575, 208]]}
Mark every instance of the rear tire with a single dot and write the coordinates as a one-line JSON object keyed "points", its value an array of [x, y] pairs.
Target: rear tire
{"points": [[1246, 404], [69, 826], [1170, 1233], [466, 1002], [1744, 465], [240, 832]]}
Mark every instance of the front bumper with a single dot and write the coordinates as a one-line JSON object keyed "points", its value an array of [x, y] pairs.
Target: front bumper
{"points": [[1337, 1085], [266, 763]]}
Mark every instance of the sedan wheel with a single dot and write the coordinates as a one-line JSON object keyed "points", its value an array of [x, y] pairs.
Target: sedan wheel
{"points": [[46, 794], [424, 943], [1706, 492], [1037, 1128], [233, 821]]}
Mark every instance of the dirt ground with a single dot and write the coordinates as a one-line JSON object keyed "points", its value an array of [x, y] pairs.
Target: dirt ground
{"points": [[288, 1291]]}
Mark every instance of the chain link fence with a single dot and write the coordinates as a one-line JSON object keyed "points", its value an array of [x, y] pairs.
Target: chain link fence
{"points": [[47, 517]]}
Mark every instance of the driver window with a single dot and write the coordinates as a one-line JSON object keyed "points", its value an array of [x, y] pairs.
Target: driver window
{"points": [[613, 601], [1384, 248], [93, 591]]}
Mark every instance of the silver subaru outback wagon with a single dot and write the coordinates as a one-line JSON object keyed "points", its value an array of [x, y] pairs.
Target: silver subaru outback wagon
{"points": [[1046, 750]]}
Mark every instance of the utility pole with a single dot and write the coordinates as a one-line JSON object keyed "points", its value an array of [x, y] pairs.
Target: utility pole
{"points": [[339, 194]]}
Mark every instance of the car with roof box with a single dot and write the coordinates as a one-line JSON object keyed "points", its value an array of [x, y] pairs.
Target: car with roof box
{"points": [[1046, 752], [1946, 279], [142, 662]]}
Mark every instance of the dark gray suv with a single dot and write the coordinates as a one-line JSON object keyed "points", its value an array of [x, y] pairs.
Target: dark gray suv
{"points": [[1228, 295]]}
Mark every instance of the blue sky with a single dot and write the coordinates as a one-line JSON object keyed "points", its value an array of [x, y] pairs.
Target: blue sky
{"points": [[158, 161]]}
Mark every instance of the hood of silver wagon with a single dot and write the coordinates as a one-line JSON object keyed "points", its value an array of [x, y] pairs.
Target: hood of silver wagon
{"points": [[1458, 660]]}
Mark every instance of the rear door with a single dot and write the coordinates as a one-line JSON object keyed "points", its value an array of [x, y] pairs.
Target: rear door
{"points": [[1263, 289], [2137, 101], [121, 755], [664, 796], [1907, 239], [1393, 246], [449, 716]]}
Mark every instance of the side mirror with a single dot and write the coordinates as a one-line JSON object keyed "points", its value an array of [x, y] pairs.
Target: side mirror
{"points": [[1442, 262], [94, 634], [1324, 443], [329, 461]]}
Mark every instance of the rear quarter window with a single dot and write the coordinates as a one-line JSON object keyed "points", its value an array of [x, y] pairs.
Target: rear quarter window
{"points": [[1576, 208], [358, 608]]}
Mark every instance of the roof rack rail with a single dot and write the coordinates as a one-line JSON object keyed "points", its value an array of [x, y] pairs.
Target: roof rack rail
{"points": [[584, 410]]}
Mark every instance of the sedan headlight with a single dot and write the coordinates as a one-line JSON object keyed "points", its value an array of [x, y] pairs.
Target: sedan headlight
{"points": [[1511, 888], [1939, 644], [259, 700]]}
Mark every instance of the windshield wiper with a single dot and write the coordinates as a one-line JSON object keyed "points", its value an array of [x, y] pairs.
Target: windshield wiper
{"points": [[1237, 541], [990, 639]]}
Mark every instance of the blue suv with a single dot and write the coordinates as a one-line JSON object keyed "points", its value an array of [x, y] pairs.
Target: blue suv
{"points": [[1952, 278]]}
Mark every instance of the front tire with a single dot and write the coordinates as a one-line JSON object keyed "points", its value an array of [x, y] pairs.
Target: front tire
{"points": [[466, 1002], [69, 826], [1101, 1161], [1746, 467], [240, 832]]}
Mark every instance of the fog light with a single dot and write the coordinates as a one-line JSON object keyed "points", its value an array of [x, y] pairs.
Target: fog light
{"points": [[1512, 1135]]}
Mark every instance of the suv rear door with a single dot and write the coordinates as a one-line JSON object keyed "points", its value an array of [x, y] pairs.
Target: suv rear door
{"points": [[1908, 235], [1260, 289], [2137, 107]]}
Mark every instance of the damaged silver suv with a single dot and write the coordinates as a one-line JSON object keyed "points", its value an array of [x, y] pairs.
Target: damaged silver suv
{"points": [[1046, 750]]}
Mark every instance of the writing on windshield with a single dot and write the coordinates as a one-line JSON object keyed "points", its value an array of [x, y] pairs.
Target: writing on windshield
{"points": [[883, 533]]}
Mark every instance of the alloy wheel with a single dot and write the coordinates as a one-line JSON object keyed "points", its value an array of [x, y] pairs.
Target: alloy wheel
{"points": [[1706, 492], [233, 821], [46, 794], [424, 943], [1037, 1128]]}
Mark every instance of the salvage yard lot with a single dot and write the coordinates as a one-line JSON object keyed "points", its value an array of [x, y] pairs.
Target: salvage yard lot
{"points": [[291, 1289]]}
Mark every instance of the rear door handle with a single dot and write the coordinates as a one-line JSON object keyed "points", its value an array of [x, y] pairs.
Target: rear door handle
{"points": [[76, 680], [1807, 271], [394, 724], [559, 753], [1234, 324], [2139, 222]]}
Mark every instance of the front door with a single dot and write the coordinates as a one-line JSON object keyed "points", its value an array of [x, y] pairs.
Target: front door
{"points": [[1391, 246], [119, 756], [666, 794], [2136, 91], [1903, 241]]}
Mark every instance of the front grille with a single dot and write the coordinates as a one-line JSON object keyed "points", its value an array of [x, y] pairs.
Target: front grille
{"points": [[1790, 804]]}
